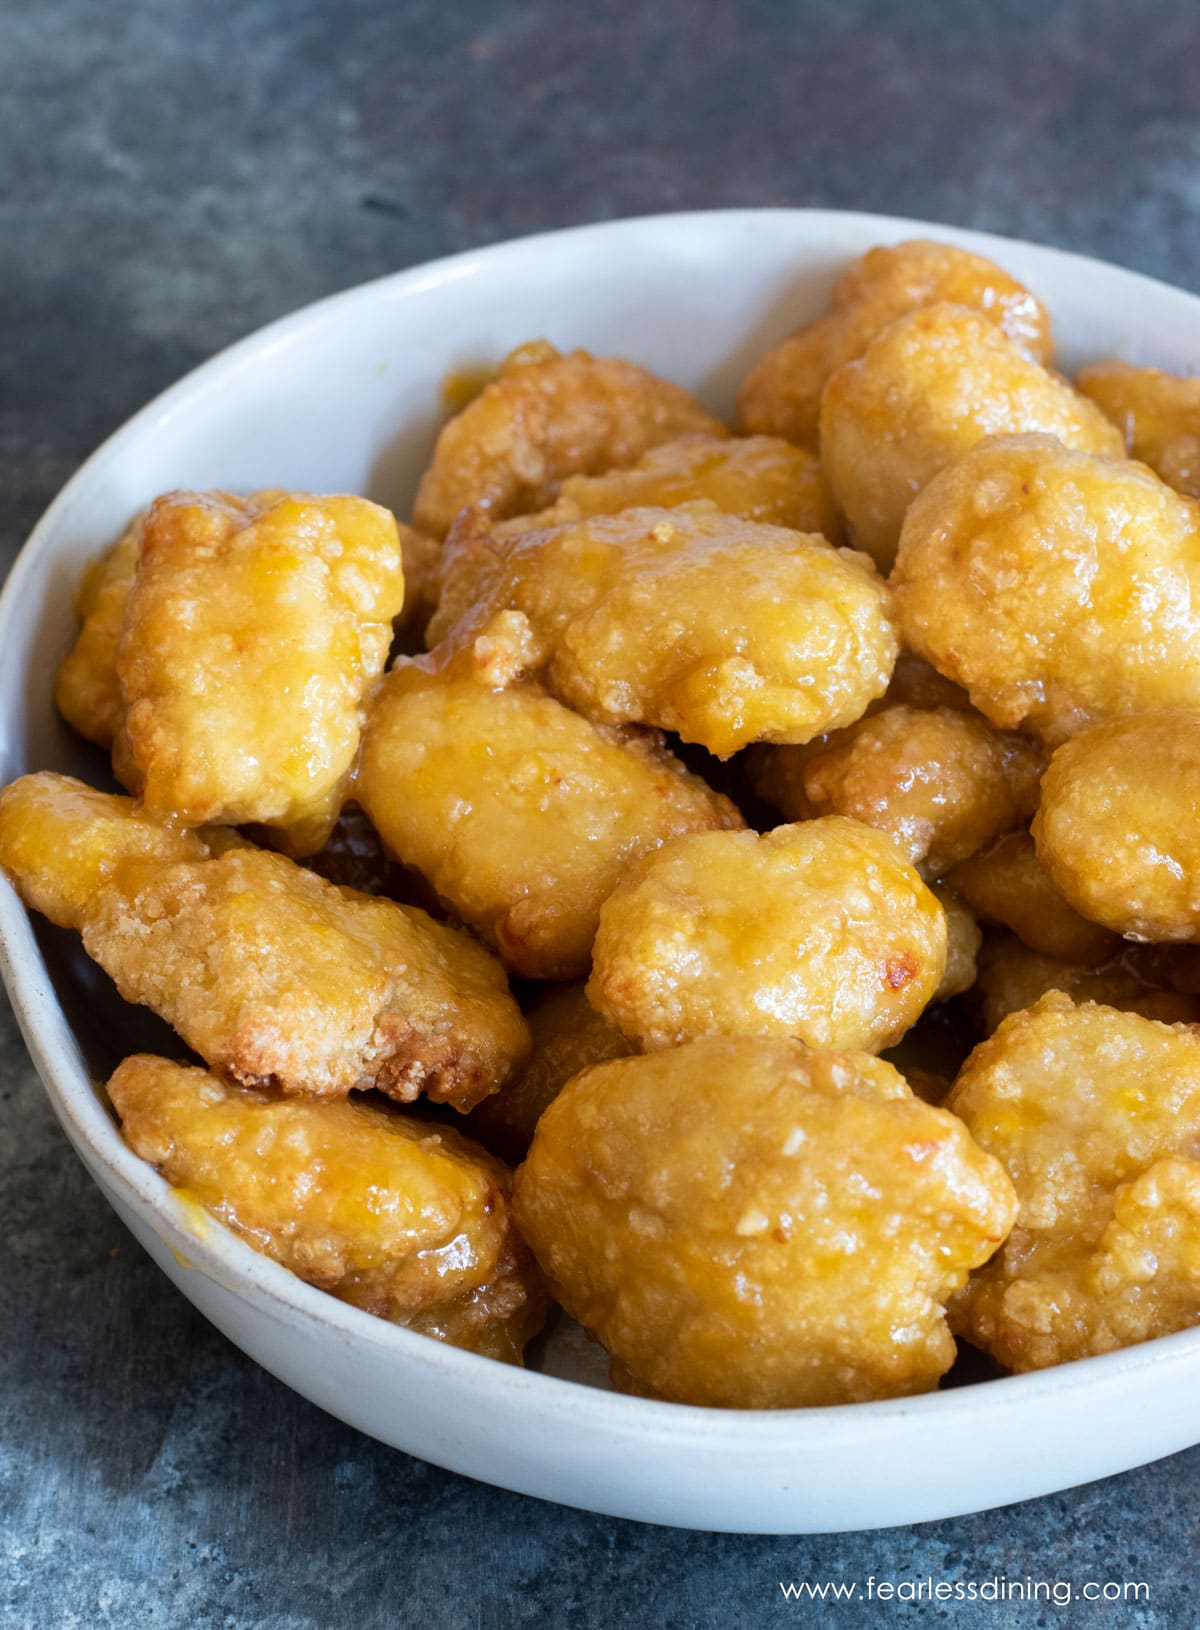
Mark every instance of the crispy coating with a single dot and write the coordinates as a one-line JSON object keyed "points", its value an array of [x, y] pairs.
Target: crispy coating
{"points": [[782, 393], [752, 1224], [1117, 828], [940, 781], [1007, 885], [917, 683], [723, 630], [404, 1219], [1056, 587], [1011, 977], [522, 815], [61, 842], [547, 417], [87, 691], [1158, 414], [1095, 1114], [760, 478], [963, 940], [819, 930], [568, 1036], [927, 388], [251, 634], [270, 973], [419, 558]]}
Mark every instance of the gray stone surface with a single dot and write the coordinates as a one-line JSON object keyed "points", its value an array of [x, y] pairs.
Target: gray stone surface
{"points": [[172, 174]]}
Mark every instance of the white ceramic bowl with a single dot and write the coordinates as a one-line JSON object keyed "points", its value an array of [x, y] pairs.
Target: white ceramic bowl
{"points": [[344, 396]]}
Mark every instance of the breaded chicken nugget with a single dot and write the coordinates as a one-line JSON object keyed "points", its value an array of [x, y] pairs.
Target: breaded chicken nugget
{"points": [[917, 683], [963, 940], [403, 1219], [782, 393], [820, 930], [759, 478], [87, 691], [927, 388], [61, 842], [251, 633], [547, 417], [1117, 829], [752, 1224], [1011, 977], [522, 815], [1007, 885], [721, 629], [419, 558], [1056, 587], [1095, 1114], [568, 1035], [940, 781], [1158, 414], [271, 974]]}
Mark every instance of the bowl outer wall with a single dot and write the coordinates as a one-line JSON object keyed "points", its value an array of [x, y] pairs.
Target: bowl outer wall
{"points": [[344, 395]]}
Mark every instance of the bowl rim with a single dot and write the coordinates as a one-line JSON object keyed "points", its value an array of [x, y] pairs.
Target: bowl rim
{"points": [[200, 1241]]}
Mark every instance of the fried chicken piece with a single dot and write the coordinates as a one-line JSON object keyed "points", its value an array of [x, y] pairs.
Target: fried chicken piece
{"points": [[759, 478], [87, 691], [271, 974], [927, 389], [61, 843], [820, 930], [1158, 414], [568, 1036], [1057, 588], [1007, 885], [723, 630], [404, 1219], [1095, 1114], [782, 393], [547, 417], [752, 1224], [419, 558], [1011, 978], [941, 782], [251, 633], [917, 683], [963, 940], [522, 815], [1117, 828]]}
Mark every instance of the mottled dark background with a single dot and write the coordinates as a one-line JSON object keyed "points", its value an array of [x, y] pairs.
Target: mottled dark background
{"points": [[173, 174]]}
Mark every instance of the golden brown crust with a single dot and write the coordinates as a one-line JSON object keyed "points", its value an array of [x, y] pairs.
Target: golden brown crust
{"points": [[1117, 829], [1158, 414], [568, 1036], [1056, 587], [252, 631], [782, 393], [1095, 1114], [269, 972], [819, 930], [547, 417], [522, 815], [1011, 978], [941, 782], [928, 388], [701, 1212], [87, 691], [404, 1219], [723, 630], [1008, 886]]}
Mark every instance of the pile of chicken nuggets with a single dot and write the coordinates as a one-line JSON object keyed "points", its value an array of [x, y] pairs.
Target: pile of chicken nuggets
{"points": [[645, 816]]}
